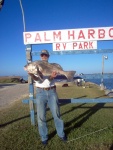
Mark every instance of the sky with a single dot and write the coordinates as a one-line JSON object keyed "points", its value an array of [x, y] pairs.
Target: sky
{"points": [[43, 15]]}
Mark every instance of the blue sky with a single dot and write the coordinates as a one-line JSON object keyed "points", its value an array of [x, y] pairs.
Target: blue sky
{"points": [[42, 15]]}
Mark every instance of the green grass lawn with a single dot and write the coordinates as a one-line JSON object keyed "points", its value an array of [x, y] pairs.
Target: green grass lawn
{"points": [[88, 126]]}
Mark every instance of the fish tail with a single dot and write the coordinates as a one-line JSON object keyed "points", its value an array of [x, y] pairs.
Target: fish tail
{"points": [[70, 74]]}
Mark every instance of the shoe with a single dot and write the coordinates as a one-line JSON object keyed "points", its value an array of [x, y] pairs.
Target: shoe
{"points": [[44, 142], [64, 139]]}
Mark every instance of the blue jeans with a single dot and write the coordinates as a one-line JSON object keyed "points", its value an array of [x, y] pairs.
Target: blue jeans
{"points": [[44, 97]]}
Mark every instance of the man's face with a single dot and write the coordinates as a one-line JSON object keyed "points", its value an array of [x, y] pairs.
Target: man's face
{"points": [[44, 57]]}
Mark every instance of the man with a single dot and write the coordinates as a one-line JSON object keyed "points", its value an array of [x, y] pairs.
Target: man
{"points": [[46, 94]]}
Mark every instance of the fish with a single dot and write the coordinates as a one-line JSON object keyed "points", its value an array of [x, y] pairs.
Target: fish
{"points": [[44, 68]]}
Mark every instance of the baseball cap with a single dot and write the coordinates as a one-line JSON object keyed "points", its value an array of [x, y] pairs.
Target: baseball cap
{"points": [[44, 52]]}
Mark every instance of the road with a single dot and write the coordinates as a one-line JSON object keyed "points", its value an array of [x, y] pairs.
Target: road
{"points": [[10, 93]]}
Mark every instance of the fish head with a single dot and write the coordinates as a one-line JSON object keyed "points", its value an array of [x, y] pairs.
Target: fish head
{"points": [[31, 68]]}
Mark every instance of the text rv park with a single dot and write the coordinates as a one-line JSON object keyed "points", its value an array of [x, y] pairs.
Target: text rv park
{"points": [[70, 39]]}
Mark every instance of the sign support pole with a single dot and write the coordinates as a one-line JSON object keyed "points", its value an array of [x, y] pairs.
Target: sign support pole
{"points": [[31, 87]]}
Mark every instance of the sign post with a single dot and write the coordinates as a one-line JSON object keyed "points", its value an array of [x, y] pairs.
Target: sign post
{"points": [[31, 87]]}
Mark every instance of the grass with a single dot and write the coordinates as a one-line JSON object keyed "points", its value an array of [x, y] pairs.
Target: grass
{"points": [[88, 126], [10, 79]]}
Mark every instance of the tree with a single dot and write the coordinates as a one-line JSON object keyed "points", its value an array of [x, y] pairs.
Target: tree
{"points": [[1, 4]]}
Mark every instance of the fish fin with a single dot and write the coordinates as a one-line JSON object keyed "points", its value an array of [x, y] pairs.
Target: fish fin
{"points": [[25, 68], [40, 75], [57, 65]]}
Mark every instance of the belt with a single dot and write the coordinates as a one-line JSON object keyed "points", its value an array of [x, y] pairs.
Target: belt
{"points": [[49, 88]]}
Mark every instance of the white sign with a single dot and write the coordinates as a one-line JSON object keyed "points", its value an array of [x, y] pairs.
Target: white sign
{"points": [[68, 35], [75, 46]]}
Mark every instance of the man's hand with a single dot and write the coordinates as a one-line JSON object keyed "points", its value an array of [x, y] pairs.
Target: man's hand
{"points": [[54, 74]]}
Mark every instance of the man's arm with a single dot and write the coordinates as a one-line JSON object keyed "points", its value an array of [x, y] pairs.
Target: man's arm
{"points": [[50, 78]]}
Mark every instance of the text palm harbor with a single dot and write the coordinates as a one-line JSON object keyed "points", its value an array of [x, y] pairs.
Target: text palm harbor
{"points": [[69, 35]]}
